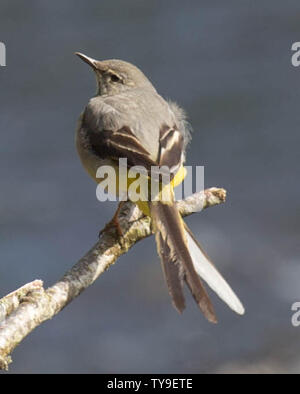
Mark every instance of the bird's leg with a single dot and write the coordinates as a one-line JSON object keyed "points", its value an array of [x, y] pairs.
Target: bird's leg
{"points": [[114, 222]]}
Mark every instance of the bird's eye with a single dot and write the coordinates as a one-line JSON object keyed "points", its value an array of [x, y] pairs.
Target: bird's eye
{"points": [[115, 78]]}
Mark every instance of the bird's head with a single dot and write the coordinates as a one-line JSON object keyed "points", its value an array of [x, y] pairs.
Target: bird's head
{"points": [[116, 76]]}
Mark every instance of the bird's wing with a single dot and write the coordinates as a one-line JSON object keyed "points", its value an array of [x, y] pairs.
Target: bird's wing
{"points": [[170, 147], [122, 142]]}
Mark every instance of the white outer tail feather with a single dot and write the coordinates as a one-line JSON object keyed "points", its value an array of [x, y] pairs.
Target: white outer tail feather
{"points": [[207, 271]]}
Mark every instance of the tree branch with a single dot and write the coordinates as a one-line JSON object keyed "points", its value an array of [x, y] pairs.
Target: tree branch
{"points": [[26, 308]]}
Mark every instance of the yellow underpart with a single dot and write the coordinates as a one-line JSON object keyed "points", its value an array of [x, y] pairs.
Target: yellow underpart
{"points": [[166, 194]]}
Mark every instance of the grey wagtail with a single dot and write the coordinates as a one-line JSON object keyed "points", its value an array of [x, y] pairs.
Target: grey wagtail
{"points": [[127, 118]]}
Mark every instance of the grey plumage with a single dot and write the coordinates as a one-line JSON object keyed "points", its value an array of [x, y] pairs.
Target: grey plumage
{"points": [[143, 111], [128, 119]]}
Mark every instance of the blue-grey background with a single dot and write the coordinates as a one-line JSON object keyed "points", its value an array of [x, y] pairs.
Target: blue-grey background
{"points": [[229, 64]]}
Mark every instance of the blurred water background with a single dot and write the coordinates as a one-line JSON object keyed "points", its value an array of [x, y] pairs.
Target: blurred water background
{"points": [[229, 65]]}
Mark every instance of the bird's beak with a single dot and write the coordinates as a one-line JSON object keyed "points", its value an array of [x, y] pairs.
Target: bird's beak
{"points": [[91, 62]]}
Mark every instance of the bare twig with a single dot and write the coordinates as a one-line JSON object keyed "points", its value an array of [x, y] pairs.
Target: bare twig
{"points": [[11, 302], [26, 308]]}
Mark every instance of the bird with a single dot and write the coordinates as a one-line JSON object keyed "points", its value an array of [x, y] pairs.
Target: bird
{"points": [[128, 119]]}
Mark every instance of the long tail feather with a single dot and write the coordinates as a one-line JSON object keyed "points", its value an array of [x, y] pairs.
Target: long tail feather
{"points": [[173, 249], [171, 270], [207, 271]]}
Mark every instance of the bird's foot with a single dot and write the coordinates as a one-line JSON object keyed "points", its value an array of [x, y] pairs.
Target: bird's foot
{"points": [[114, 223]]}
